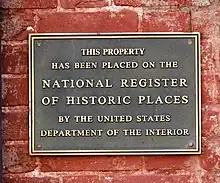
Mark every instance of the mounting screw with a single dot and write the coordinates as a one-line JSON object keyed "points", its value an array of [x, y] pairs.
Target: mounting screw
{"points": [[190, 41], [39, 146], [38, 44], [190, 144]]}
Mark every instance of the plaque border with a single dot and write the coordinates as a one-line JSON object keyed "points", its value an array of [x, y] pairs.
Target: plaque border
{"points": [[40, 36]]}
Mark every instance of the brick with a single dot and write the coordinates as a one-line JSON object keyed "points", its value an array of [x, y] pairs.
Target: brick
{"points": [[137, 3], [17, 160], [210, 121], [165, 21], [207, 57], [83, 179], [91, 163], [83, 3], [28, 4], [204, 21], [202, 3], [167, 162], [15, 59], [209, 89], [15, 124], [15, 23], [19, 179], [154, 178], [209, 160], [15, 91], [124, 21], [211, 177], [132, 178], [125, 178]]}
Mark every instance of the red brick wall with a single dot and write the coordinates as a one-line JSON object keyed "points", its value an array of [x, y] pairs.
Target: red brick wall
{"points": [[23, 16]]}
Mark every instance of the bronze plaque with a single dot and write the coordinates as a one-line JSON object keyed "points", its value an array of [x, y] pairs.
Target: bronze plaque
{"points": [[116, 94]]}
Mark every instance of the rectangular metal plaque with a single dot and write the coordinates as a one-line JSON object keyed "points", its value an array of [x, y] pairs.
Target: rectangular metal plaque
{"points": [[96, 94]]}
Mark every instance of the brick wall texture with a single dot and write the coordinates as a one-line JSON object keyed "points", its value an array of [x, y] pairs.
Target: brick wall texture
{"points": [[21, 17]]}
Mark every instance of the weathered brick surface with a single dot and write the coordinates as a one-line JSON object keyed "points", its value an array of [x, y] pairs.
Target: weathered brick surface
{"points": [[15, 91], [155, 178], [205, 21], [125, 178], [211, 177], [84, 179], [90, 163], [210, 121], [165, 21], [153, 2], [210, 157], [167, 162], [83, 3], [17, 160], [207, 56], [209, 89], [123, 21], [20, 179], [28, 4], [202, 3], [15, 23], [15, 59], [15, 124]]}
